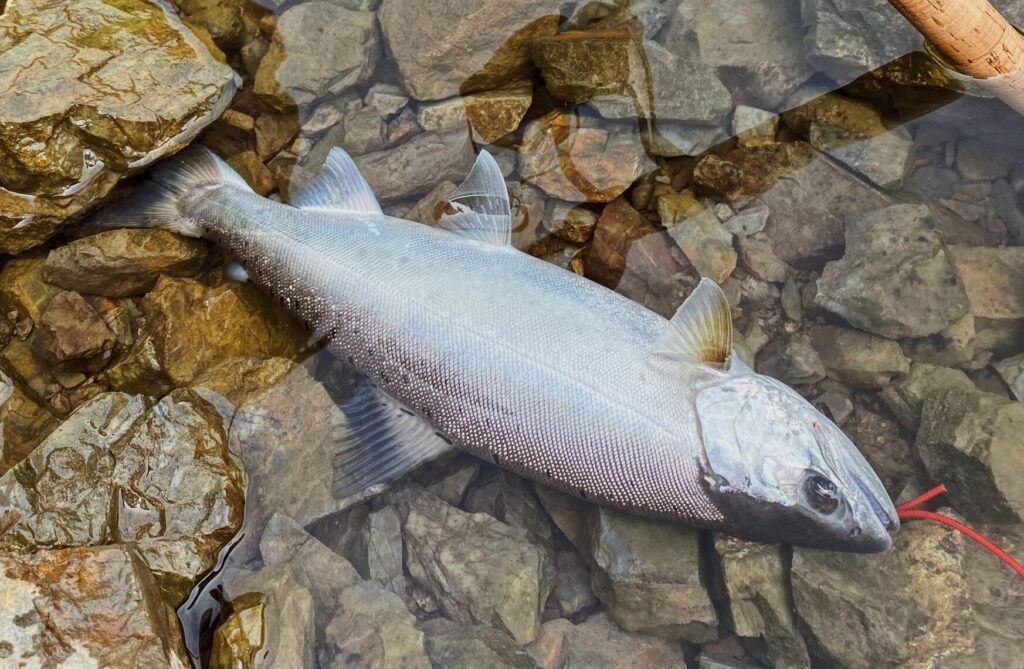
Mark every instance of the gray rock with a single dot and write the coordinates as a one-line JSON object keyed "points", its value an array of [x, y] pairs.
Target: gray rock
{"points": [[791, 359], [449, 478], [979, 161], [971, 442], [858, 358], [1011, 370], [387, 99], [418, 165], [648, 575], [479, 569], [906, 396], [454, 646], [894, 279], [598, 643], [707, 244], [907, 607], [881, 442], [993, 279], [319, 49], [751, 125], [747, 222], [506, 497], [571, 592], [757, 252], [365, 132], [473, 45], [384, 549], [756, 589], [955, 345]]}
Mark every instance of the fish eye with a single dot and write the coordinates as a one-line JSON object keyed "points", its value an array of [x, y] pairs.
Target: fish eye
{"points": [[821, 493]]}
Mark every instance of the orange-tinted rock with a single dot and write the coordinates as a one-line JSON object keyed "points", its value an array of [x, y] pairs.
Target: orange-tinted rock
{"points": [[616, 230]]}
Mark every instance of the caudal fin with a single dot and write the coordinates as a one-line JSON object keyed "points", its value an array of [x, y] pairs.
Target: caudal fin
{"points": [[160, 199]]}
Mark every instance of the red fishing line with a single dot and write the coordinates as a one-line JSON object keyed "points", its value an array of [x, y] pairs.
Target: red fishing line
{"points": [[907, 511]]}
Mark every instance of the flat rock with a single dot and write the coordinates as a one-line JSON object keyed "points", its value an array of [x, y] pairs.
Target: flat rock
{"points": [[479, 569], [648, 575], [123, 469], [971, 442], [994, 281], [70, 331], [791, 359], [456, 646], [895, 278], [418, 165], [857, 358], [85, 607], [99, 99], [907, 607], [1011, 370], [757, 251], [319, 50], [598, 643], [474, 45], [194, 326], [578, 162], [755, 582], [23, 423], [490, 115], [707, 244]]}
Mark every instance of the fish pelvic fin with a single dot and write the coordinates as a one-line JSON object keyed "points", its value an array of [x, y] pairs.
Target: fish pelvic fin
{"points": [[479, 209], [379, 441], [162, 199], [338, 187], [701, 329]]}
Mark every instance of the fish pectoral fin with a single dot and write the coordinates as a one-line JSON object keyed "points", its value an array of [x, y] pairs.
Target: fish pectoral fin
{"points": [[701, 329], [479, 208], [338, 187], [233, 271], [380, 441]]}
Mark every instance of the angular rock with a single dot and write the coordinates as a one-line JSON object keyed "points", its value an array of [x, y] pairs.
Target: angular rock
{"points": [[757, 252], [598, 643], [571, 223], [384, 549], [418, 165], [365, 132], [479, 569], [91, 99], [228, 21], [756, 589], [707, 244], [116, 263], [239, 637], [571, 592], [619, 226], [894, 279], [980, 161], [319, 49], [791, 359], [971, 442], [23, 423], [387, 99], [955, 345], [648, 575], [194, 326], [907, 607], [430, 207], [256, 174], [576, 162], [70, 331], [85, 607], [1011, 370], [857, 358], [883, 445], [490, 115], [751, 125], [449, 477], [23, 292], [994, 281], [474, 45], [139, 371], [471, 646], [507, 498], [906, 396]]}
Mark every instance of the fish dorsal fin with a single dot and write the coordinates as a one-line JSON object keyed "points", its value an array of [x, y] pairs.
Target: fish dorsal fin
{"points": [[701, 330], [480, 209], [380, 441], [338, 187]]}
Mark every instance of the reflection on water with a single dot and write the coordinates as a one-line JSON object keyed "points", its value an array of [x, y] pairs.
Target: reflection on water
{"points": [[861, 207]]}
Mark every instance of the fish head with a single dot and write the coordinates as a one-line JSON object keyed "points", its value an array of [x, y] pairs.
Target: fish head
{"points": [[782, 472]]}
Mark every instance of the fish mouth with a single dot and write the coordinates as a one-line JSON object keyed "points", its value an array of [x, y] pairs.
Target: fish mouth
{"points": [[877, 536]]}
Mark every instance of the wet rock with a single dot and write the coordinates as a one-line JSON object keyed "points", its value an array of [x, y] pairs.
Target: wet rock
{"points": [[571, 223], [85, 607], [139, 371], [472, 46], [857, 358], [100, 100], [23, 423], [274, 132], [70, 331], [571, 592], [286, 612], [791, 359], [122, 262], [239, 637], [471, 646], [894, 279], [955, 345], [319, 49], [387, 99], [971, 442], [906, 395], [507, 498], [194, 326], [23, 292], [747, 222], [231, 133], [418, 165], [228, 22], [479, 569], [648, 575], [756, 589], [598, 643], [758, 254], [979, 161], [122, 469], [881, 442], [384, 549], [907, 607], [449, 477], [619, 226], [490, 115], [365, 132], [576, 162], [430, 207], [751, 125], [254, 171], [1011, 370], [755, 47], [993, 279], [707, 244]]}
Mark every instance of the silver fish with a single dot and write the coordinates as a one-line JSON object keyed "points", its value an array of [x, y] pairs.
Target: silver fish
{"points": [[467, 342]]}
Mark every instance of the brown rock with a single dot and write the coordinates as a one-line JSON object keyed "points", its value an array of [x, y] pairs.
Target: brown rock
{"points": [[23, 290], [598, 643], [23, 423], [490, 114], [123, 262], [233, 132], [617, 228], [91, 98], [251, 168], [71, 330], [85, 607], [707, 244], [994, 281], [275, 131]]}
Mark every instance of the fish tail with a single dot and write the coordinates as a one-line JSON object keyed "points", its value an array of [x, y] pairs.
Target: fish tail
{"points": [[164, 198]]}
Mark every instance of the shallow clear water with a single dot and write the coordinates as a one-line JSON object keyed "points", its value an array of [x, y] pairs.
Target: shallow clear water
{"points": [[862, 208]]}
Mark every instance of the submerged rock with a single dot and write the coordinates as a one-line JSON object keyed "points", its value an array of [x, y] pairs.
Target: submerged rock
{"points": [[707, 244], [122, 262], [618, 228], [474, 45], [479, 569], [489, 114], [418, 165], [85, 607], [372, 628], [454, 646], [70, 331], [92, 98], [319, 49], [894, 279]]}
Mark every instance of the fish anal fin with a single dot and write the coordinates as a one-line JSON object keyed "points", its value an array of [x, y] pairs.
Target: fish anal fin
{"points": [[700, 332], [479, 209], [338, 187], [379, 441]]}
